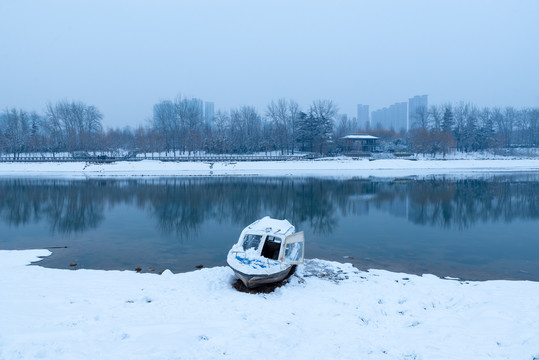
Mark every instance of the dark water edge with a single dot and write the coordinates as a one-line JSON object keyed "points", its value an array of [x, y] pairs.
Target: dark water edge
{"points": [[475, 228]]}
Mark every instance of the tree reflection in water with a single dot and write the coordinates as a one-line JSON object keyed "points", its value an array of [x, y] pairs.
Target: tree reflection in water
{"points": [[182, 205], [68, 206]]}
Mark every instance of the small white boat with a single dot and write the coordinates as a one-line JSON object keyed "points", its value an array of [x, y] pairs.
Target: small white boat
{"points": [[266, 251]]}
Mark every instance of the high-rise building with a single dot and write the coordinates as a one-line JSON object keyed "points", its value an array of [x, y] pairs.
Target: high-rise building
{"points": [[416, 106], [378, 118], [363, 118], [199, 105], [209, 112], [391, 118]]}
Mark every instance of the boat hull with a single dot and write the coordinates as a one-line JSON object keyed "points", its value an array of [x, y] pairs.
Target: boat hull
{"points": [[254, 280]]}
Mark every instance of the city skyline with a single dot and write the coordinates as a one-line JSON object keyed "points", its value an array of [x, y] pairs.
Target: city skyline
{"points": [[398, 117]]}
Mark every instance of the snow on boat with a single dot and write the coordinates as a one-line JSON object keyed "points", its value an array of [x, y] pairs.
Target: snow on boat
{"points": [[266, 251]]}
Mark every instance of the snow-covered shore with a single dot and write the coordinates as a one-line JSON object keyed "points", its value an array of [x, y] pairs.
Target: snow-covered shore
{"points": [[342, 167], [326, 311]]}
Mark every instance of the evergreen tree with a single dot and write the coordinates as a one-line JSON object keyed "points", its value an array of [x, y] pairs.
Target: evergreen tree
{"points": [[447, 119]]}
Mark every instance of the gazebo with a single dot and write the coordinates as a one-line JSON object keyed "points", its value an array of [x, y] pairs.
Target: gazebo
{"points": [[360, 143]]}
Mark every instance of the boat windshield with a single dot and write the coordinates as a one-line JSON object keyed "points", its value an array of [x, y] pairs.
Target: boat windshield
{"points": [[251, 241]]}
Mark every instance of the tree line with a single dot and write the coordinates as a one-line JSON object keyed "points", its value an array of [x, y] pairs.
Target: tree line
{"points": [[178, 126], [466, 128]]}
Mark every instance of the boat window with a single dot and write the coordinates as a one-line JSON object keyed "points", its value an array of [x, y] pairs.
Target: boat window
{"points": [[251, 241], [293, 252], [271, 248], [294, 249]]}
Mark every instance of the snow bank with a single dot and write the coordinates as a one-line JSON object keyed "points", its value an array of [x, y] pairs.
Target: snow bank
{"points": [[327, 311], [334, 167]]}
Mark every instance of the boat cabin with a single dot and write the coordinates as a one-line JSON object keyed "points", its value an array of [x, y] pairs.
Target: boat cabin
{"points": [[273, 239]]}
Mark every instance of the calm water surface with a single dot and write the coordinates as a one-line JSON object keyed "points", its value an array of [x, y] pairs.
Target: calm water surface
{"points": [[475, 228]]}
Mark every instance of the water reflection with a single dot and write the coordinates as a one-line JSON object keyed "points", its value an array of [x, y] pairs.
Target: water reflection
{"points": [[68, 206], [181, 205], [462, 203]]}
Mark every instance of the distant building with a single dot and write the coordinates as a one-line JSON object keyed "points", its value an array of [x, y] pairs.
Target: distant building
{"points": [[209, 112], [378, 118], [198, 104], [363, 118], [358, 144], [393, 117], [415, 105]]}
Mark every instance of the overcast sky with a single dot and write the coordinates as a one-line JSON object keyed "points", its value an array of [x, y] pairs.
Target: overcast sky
{"points": [[124, 56]]}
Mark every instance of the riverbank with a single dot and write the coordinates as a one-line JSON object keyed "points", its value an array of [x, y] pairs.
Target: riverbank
{"points": [[327, 310], [333, 167]]}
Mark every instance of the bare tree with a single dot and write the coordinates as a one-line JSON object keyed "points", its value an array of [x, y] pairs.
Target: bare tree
{"points": [[420, 119], [284, 116], [54, 130], [73, 126], [533, 127], [165, 123], [245, 129], [221, 132], [189, 117], [91, 128], [15, 129], [344, 126], [436, 117]]}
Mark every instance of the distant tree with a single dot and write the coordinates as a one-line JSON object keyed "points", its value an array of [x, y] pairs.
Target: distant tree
{"points": [[446, 142], [245, 129], [91, 128], [524, 127], [420, 140], [507, 125], [470, 139], [221, 132], [37, 141], [190, 120], [344, 126], [15, 130], [319, 124], [142, 143], [304, 136], [436, 117], [460, 115], [267, 140], [119, 141], [420, 119], [73, 126], [533, 127], [165, 123], [485, 131], [284, 117], [447, 118]]}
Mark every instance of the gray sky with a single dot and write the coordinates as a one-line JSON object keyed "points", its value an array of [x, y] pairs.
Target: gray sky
{"points": [[124, 56]]}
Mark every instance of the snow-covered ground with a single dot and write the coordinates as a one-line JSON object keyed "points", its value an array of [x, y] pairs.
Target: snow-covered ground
{"points": [[340, 167], [326, 311]]}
